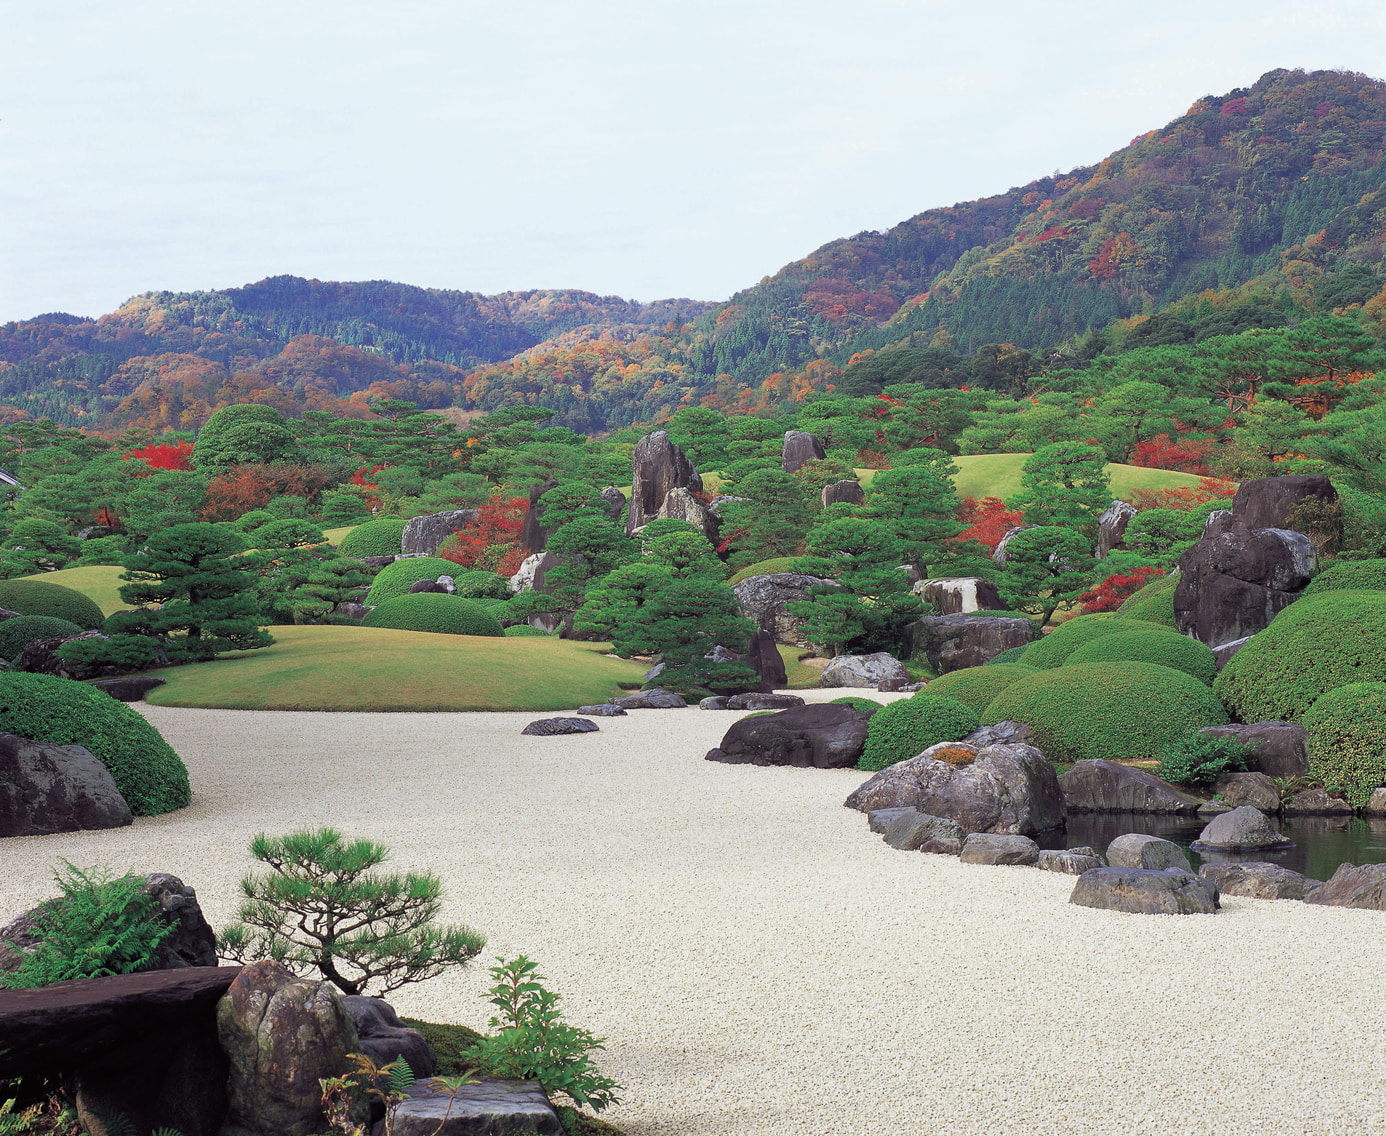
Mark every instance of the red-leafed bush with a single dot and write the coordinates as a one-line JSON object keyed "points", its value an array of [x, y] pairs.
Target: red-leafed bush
{"points": [[365, 480], [245, 487], [986, 522], [1184, 497], [1184, 455], [488, 542], [1116, 590], [160, 455]]}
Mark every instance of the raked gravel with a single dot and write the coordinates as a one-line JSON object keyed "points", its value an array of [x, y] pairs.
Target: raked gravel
{"points": [[759, 962]]}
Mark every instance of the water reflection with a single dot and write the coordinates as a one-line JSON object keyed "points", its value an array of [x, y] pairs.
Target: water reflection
{"points": [[1321, 843]]}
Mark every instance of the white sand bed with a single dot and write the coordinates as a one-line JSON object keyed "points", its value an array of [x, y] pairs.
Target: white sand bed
{"points": [[759, 962]]}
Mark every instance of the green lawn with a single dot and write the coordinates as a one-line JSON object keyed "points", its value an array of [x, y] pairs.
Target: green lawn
{"points": [[371, 668], [334, 536], [100, 583], [998, 475]]}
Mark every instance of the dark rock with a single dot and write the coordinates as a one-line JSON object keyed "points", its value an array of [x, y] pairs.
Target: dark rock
{"points": [[384, 1038], [1352, 886], [764, 600], [604, 710], [656, 699], [423, 535], [420, 586], [1244, 829], [897, 686], [491, 1107], [128, 688], [1222, 654], [377, 562], [913, 830], [50, 788], [281, 1035], [5, 613], [764, 657], [864, 671], [615, 502], [1254, 789], [1144, 892], [657, 467], [961, 595], [955, 642], [551, 727], [755, 701], [193, 942], [1270, 502], [992, 848], [821, 736], [998, 555], [1069, 863], [799, 449], [353, 610], [1111, 527], [714, 702], [1136, 850], [1315, 802], [843, 493], [1001, 733], [1110, 787], [533, 536], [1277, 749], [880, 820], [1256, 880]]}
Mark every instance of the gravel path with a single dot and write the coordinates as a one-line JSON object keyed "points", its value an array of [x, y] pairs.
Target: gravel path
{"points": [[761, 964]]}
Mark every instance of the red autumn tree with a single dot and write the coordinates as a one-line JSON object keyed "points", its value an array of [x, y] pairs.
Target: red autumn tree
{"points": [[1116, 590], [160, 455], [1184, 497], [489, 542], [1162, 452], [987, 522]]}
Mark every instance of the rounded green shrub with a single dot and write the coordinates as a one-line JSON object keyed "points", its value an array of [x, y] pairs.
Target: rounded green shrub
{"points": [[498, 608], [524, 631], [1315, 645], [1054, 648], [1154, 603], [482, 585], [1349, 576], [1113, 711], [975, 687], [1007, 657], [436, 612], [1347, 740], [16, 634], [856, 703], [149, 775], [35, 597], [1152, 645], [905, 729], [396, 579], [383, 537]]}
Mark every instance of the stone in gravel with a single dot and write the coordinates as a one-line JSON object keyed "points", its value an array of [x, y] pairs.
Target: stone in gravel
{"points": [[756, 701], [1136, 850], [1277, 749], [1244, 829], [864, 670], [823, 736], [551, 727], [1070, 863], [993, 848], [603, 710], [1110, 787], [1254, 789], [912, 831], [1353, 886], [51, 788], [384, 1038], [879, 820], [491, 1107], [656, 699], [1315, 802], [1257, 879], [128, 688], [714, 702], [1142, 891]]}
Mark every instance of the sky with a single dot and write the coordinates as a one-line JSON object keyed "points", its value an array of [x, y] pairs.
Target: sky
{"points": [[642, 149]]}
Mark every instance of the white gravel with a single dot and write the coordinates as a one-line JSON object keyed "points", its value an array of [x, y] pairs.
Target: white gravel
{"points": [[760, 963]]}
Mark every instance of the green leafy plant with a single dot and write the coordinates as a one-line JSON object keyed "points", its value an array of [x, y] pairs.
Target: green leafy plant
{"points": [[1347, 740], [16, 634], [323, 908], [907, 727], [1198, 760], [381, 537]]}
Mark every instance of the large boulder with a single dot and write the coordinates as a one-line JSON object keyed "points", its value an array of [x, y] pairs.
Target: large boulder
{"points": [[1145, 892], [1277, 749], [1270, 502], [533, 535], [1254, 789], [1137, 850], [1069, 862], [821, 736], [991, 848], [1007, 788], [657, 467], [960, 595], [1257, 879], [1111, 527], [765, 600], [1353, 885], [799, 449], [998, 554], [423, 535], [384, 1038], [1316, 802], [1110, 787], [956, 642], [763, 656], [1244, 829], [615, 502], [680, 504], [529, 576], [553, 727], [51, 788], [864, 671], [843, 493], [281, 1035]]}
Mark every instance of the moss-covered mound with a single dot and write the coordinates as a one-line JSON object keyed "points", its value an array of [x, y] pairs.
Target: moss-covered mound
{"points": [[1054, 648], [1347, 740], [1154, 603], [375, 538], [16, 634], [1349, 576], [1315, 645], [975, 687], [1115, 711], [147, 772], [770, 567], [857, 703], [437, 612], [34, 597], [1008, 657], [396, 579], [1152, 645], [906, 728]]}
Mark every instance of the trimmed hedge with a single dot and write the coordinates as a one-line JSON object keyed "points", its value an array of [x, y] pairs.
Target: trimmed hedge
{"points": [[857, 703], [480, 585], [150, 776], [384, 537], [434, 611], [396, 579], [1054, 648], [1347, 740], [1115, 711], [906, 728], [1153, 603], [1349, 576], [1153, 645], [16, 634], [1315, 645], [34, 597], [1008, 657], [975, 687], [524, 631]]}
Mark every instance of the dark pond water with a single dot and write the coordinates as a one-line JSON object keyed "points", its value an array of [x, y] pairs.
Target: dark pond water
{"points": [[1321, 843]]}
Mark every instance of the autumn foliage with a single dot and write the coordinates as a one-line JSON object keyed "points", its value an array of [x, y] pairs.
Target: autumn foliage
{"points": [[246, 487], [160, 455], [1184, 497], [489, 541], [1161, 452], [986, 522], [1116, 590]]}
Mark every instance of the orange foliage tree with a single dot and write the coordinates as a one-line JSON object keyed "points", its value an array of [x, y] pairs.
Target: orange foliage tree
{"points": [[986, 522], [489, 542]]}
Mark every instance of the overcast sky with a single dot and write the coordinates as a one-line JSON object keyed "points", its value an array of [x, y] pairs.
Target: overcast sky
{"points": [[643, 149]]}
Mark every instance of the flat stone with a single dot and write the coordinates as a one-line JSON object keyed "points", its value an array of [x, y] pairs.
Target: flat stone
{"points": [[1315, 802], [994, 848], [492, 1107], [603, 710], [911, 831], [1137, 850], [1141, 891], [1244, 829], [757, 701], [879, 820], [715, 702], [1257, 879], [821, 736], [1110, 787], [551, 727], [1254, 789], [655, 699], [1070, 863], [1353, 885]]}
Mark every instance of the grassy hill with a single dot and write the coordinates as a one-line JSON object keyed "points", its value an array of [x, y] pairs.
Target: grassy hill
{"points": [[100, 583], [998, 475]]}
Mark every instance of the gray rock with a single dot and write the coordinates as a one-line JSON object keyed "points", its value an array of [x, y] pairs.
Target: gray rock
{"points": [[657, 467], [615, 501], [1222, 654], [843, 492], [1000, 733], [955, 642], [756, 701], [998, 555], [1256, 880], [765, 659], [1070, 863], [765, 600], [1270, 502], [1136, 850], [915, 831], [418, 587], [1213, 808], [384, 1038], [449, 584], [1254, 789], [864, 671], [821, 736], [1111, 527], [992, 848], [714, 702], [1244, 829], [128, 688], [1352, 885], [530, 574], [48, 788], [1277, 749], [1141, 891], [534, 536], [681, 505], [654, 672], [655, 699], [353, 610], [880, 820], [799, 449], [604, 710], [552, 727], [492, 1107], [1110, 787], [193, 942], [960, 595], [423, 535], [1376, 804], [1316, 802]]}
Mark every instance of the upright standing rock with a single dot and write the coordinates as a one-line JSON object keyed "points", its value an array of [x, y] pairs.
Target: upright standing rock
{"points": [[657, 467], [681, 505], [1111, 527], [843, 492], [423, 535], [533, 535], [800, 448]]}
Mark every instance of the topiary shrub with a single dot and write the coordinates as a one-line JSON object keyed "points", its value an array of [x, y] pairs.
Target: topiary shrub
{"points": [[16, 634], [975, 687], [35, 597], [1315, 645], [1054, 648], [384, 537], [524, 631], [1151, 645], [1198, 760], [434, 611], [481, 585], [1154, 603], [866, 705], [396, 579], [1349, 576], [149, 775], [1347, 740], [1007, 657], [906, 728], [1112, 711]]}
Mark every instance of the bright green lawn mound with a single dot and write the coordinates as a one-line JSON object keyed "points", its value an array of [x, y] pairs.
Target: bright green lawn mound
{"points": [[1349, 576], [769, 567], [369, 668], [998, 475], [436, 612], [1153, 645], [975, 687], [44, 595], [19, 632]]}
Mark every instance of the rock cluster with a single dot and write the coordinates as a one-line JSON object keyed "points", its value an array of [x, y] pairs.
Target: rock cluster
{"points": [[658, 466]]}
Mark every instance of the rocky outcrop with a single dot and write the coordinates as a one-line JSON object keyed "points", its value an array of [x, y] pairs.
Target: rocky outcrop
{"points": [[1111, 527], [193, 942], [1277, 749], [864, 671], [48, 788], [1257, 879], [820, 736], [1136, 850], [657, 467], [615, 502], [384, 1038], [1144, 892], [533, 535], [553, 727], [530, 574], [765, 601], [960, 595], [655, 699], [955, 642], [423, 535], [991, 848], [681, 505], [1353, 886], [1110, 787], [1244, 829], [1316, 802], [1254, 789], [799, 449], [843, 493]]}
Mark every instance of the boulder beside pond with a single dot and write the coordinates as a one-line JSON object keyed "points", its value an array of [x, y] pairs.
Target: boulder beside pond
{"points": [[1277, 749], [1111, 787], [1136, 850], [1353, 885], [1141, 891], [997, 849], [1244, 829], [1257, 879]]}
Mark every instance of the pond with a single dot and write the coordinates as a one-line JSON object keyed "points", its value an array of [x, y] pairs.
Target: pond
{"points": [[1321, 843]]}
